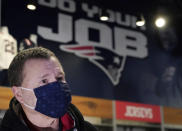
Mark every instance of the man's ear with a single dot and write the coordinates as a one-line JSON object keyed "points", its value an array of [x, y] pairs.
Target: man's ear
{"points": [[17, 93]]}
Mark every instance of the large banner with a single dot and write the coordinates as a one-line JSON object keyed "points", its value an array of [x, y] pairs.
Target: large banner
{"points": [[112, 60]]}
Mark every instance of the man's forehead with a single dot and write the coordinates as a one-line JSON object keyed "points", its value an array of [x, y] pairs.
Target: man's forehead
{"points": [[51, 63], [57, 63]]}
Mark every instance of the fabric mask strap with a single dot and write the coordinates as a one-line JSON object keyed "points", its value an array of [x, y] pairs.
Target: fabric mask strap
{"points": [[25, 103]]}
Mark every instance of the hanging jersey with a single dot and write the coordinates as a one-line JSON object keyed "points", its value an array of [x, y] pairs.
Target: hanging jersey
{"points": [[8, 48]]}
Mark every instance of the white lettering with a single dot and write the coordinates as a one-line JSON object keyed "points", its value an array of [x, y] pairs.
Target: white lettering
{"points": [[90, 12], [139, 112], [131, 43], [111, 15], [126, 42], [122, 19], [64, 30], [65, 5], [114, 16], [71, 7], [82, 33], [133, 21]]}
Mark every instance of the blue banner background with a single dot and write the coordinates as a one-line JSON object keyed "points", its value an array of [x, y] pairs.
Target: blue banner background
{"points": [[155, 79]]}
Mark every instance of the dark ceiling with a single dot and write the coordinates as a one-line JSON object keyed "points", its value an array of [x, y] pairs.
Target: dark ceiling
{"points": [[149, 8], [142, 6], [170, 8]]}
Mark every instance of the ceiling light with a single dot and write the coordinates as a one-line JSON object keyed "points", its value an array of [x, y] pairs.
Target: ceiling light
{"points": [[160, 22], [31, 5], [140, 21], [104, 16]]}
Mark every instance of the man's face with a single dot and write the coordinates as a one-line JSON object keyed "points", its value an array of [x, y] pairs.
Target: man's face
{"points": [[39, 72]]}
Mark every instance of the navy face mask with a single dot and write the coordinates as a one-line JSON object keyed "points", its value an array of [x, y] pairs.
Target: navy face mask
{"points": [[53, 99]]}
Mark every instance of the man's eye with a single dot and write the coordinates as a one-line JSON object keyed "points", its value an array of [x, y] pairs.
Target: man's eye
{"points": [[60, 79], [44, 81]]}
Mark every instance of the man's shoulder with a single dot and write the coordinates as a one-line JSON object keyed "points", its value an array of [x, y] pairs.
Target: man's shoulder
{"points": [[11, 120], [7, 121], [79, 119]]}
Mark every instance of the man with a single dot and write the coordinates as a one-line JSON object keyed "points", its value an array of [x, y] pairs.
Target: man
{"points": [[42, 99]]}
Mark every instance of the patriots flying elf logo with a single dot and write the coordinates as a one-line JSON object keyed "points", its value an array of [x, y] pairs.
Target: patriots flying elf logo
{"points": [[110, 62]]}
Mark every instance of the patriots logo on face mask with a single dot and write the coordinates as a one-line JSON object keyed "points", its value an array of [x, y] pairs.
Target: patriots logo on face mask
{"points": [[110, 62]]}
